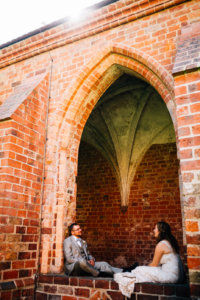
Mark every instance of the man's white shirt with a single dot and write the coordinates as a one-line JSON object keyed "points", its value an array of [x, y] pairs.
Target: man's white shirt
{"points": [[78, 240]]}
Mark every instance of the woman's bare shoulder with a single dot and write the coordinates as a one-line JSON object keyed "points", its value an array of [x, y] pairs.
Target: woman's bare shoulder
{"points": [[160, 245], [165, 245]]}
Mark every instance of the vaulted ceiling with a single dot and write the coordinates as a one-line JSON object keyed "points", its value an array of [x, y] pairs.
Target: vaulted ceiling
{"points": [[126, 121]]}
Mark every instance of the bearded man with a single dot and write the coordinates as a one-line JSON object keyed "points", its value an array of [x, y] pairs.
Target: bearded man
{"points": [[79, 261]]}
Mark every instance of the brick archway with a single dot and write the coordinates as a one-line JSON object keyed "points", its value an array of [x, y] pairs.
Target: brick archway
{"points": [[89, 79], [71, 115]]}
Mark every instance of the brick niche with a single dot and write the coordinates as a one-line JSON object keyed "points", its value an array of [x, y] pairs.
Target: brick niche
{"points": [[124, 237]]}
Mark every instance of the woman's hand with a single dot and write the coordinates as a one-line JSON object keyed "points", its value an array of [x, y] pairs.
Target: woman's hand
{"points": [[159, 251]]}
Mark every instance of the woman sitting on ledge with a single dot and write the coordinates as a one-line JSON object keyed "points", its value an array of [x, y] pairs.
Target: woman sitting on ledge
{"points": [[166, 254]]}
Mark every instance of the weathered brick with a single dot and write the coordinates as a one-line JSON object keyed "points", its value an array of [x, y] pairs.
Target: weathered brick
{"points": [[10, 255], [187, 153], [193, 251], [192, 226], [86, 282], [61, 280], [32, 247], [169, 290], [14, 221], [41, 296], [18, 264], [6, 295], [194, 239], [27, 238], [35, 223], [7, 229], [50, 289], [5, 265], [24, 255], [30, 263], [116, 295], [193, 263], [102, 284], [114, 286], [46, 230], [16, 294], [20, 229], [152, 289], [65, 290], [28, 292], [3, 220], [45, 279], [137, 287], [10, 275], [73, 281], [55, 297], [24, 273], [19, 283], [187, 177], [194, 290], [8, 285], [82, 292]]}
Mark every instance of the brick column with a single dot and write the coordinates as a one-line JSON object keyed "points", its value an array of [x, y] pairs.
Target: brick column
{"points": [[22, 128], [187, 90], [188, 113]]}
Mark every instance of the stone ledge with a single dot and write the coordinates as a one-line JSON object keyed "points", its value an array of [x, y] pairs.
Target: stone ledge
{"points": [[177, 73], [62, 285]]}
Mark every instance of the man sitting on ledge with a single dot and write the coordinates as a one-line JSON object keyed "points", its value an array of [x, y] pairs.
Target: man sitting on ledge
{"points": [[79, 262]]}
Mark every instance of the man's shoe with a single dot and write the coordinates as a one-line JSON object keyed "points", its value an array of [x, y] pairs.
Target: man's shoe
{"points": [[104, 275], [129, 269]]}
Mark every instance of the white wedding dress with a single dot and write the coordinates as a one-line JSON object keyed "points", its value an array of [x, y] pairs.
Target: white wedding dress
{"points": [[168, 272]]}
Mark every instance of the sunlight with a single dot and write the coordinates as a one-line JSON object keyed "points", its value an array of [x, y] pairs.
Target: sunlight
{"points": [[74, 12], [34, 14]]}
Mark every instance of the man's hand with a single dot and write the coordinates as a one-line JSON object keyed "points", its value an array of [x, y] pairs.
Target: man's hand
{"points": [[91, 262]]}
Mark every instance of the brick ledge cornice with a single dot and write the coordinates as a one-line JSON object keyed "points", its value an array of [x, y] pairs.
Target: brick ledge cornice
{"points": [[185, 71], [66, 34]]}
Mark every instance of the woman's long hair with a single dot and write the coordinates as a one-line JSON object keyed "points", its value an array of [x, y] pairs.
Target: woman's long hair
{"points": [[165, 234]]}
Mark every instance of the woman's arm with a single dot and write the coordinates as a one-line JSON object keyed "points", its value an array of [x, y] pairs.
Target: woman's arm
{"points": [[159, 251]]}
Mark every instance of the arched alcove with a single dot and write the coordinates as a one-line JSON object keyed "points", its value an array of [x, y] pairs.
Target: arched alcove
{"points": [[129, 140], [128, 118], [69, 120]]}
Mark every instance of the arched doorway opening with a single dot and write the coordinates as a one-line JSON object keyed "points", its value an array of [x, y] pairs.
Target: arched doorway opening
{"points": [[128, 173], [68, 122]]}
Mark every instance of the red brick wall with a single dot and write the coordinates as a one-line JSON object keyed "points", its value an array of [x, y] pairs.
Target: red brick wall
{"points": [[21, 176], [124, 238], [147, 34]]}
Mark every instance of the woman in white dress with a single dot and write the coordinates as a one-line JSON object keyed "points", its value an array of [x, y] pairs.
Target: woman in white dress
{"points": [[166, 266]]}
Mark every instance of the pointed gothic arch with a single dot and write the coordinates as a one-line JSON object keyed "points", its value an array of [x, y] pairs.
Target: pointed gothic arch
{"points": [[75, 106]]}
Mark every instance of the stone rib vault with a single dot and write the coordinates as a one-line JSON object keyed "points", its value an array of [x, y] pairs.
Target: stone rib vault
{"points": [[127, 120]]}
